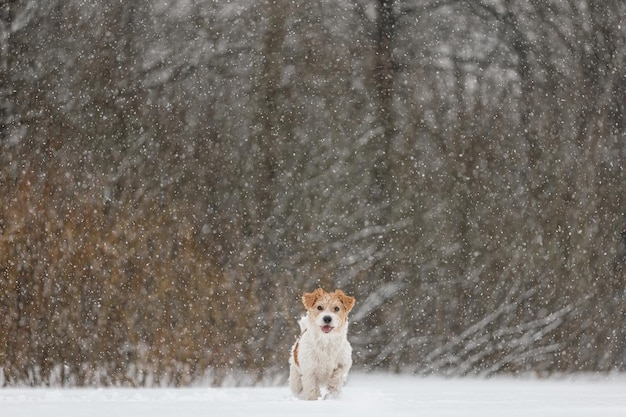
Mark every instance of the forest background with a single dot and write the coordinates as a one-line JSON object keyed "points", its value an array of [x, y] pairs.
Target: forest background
{"points": [[175, 174]]}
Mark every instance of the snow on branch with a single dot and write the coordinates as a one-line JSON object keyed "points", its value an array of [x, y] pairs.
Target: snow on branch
{"points": [[499, 340]]}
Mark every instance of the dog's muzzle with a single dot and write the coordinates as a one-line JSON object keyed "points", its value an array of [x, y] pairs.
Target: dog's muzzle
{"points": [[327, 328]]}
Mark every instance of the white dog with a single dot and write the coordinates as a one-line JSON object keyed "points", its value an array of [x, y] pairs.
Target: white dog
{"points": [[322, 354]]}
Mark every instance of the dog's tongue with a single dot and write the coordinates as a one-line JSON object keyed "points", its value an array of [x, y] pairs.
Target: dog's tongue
{"points": [[326, 329]]}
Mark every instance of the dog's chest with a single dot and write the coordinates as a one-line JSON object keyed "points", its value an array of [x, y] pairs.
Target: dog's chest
{"points": [[322, 354]]}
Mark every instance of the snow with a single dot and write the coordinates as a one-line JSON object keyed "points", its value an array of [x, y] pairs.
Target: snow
{"points": [[364, 395]]}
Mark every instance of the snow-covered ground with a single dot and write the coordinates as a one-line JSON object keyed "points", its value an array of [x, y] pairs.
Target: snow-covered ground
{"points": [[365, 395]]}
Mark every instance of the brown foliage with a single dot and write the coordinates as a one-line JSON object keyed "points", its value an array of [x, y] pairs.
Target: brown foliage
{"points": [[172, 180]]}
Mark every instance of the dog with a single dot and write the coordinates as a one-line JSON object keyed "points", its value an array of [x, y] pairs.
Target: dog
{"points": [[322, 354]]}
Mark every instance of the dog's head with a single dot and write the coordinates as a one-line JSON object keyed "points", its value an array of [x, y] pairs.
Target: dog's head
{"points": [[328, 311]]}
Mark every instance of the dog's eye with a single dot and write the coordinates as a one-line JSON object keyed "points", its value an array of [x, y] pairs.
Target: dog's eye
{"points": [[336, 309], [320, 308]]}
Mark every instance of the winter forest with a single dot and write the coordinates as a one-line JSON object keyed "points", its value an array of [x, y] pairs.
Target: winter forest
{"points": [[174, 174]]}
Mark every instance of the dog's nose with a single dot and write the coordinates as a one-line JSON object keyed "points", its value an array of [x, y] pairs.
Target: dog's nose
{"points": [[327, 319]]}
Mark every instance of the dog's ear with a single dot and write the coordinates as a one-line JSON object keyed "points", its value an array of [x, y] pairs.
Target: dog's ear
{"points": [[310, 298], [346, 300]]}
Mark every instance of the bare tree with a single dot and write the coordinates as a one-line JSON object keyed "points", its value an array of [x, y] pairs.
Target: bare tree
{"points": [[173, 178]]}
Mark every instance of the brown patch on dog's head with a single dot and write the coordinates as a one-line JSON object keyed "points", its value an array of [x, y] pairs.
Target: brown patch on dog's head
{"points": [[320, 302], [310, 298], [346, 300]]}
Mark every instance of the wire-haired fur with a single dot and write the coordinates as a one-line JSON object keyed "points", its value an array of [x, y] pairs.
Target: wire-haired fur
{"points": [[321, 355]]}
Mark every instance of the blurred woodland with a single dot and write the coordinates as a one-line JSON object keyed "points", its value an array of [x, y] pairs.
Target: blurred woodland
{"points": [[175, 174]]}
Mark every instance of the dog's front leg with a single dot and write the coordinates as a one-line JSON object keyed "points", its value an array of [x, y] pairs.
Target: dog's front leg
{"points": [[310, 388], [336, 381]]}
